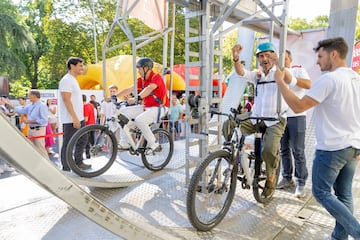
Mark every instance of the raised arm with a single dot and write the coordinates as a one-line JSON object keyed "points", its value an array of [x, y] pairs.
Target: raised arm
{"points": [[239, 68], [296, 104]]}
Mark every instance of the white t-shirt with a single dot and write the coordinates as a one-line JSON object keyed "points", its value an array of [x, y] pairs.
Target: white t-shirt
{"points": [[52, 116], [108, 109], [265, 101], [298, 72], [69, 84], [337, 118]]}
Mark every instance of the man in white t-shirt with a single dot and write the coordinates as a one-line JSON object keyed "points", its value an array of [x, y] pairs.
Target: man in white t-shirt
{"points": [[335, 96], [72, 111], [293, 141]]}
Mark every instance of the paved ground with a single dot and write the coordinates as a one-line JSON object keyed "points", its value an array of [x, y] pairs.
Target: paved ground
{"points": [[29, 212]]}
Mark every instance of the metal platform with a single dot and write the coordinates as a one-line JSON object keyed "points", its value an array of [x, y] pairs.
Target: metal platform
{"points": [[158, 200]]}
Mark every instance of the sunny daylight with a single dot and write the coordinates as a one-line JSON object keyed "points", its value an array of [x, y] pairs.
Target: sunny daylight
{"points": [[171, 119]]}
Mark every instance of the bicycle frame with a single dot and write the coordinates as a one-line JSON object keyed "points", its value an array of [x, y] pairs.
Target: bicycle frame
{"points": [[249, 159], [135, 141]]}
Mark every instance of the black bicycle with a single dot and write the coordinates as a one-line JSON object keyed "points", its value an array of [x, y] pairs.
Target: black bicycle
{"points": [[103, 148], [213, 183]]}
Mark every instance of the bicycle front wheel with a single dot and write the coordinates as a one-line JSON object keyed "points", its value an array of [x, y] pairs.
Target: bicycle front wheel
{"points": [[159, 159], [98, 153], [211, 190]]}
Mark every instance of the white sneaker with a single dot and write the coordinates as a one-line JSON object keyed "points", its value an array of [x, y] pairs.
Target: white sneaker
{"points": [[7, 168], [300, 191], [153, 149], [123, 146]]}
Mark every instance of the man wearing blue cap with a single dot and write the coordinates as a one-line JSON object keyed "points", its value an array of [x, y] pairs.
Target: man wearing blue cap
{"points": [[265, 105]]}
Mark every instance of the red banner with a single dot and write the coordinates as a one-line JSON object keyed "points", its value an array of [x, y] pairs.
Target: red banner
{"points": [[356, 57]]}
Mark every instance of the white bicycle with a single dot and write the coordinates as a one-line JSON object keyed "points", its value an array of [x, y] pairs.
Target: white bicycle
{"points": [[103, 151]]}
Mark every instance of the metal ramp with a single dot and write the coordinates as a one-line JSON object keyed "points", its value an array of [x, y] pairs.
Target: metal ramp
{"points": [[128, 170], [33, 164]]}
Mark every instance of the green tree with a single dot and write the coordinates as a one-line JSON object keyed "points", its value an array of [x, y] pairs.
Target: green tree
{"points": [[357, 33], [302, 24], [35, 14], [229, 41], [14, 41]]}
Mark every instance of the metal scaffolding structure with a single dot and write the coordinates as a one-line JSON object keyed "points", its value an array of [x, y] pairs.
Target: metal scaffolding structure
{"points": [[204, 36]]}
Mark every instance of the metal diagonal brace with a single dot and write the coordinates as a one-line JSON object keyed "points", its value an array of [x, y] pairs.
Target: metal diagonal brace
{"points": [[34, 165]]}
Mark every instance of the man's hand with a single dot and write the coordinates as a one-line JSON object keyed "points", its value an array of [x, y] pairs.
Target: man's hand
{"points": [[274, 58], [131, 101], [236, 50], [76, 124], [279, 75]]}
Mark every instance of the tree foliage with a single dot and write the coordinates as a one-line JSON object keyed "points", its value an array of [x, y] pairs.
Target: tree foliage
{"points": [[14, 41], [38, 36]]}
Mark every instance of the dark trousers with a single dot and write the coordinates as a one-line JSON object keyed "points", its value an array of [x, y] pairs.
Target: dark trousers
{"points": [[293, 143], [90, 142], [69, 131]]}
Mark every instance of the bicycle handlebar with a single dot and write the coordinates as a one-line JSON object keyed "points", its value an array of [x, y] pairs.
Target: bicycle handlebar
{"points": [[238, 120]]}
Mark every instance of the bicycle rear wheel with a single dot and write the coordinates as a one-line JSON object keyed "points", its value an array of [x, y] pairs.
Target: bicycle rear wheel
{"points": [[159, 159], [100, 152], [259, 184], [211, 191]]}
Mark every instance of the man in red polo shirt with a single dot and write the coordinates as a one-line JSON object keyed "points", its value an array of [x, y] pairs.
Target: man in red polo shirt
{"points": [[89, 118], [152, 94]]}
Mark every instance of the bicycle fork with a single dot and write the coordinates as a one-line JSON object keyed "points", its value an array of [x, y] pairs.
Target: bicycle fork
{"points": [[258, 162]]}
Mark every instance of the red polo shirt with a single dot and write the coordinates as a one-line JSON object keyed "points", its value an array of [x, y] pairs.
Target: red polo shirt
{"points": [[159, 92], [89, 112]]}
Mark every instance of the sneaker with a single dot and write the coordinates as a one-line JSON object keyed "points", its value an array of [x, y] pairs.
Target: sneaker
{"points": [[7, 168], [285, 183], [299, 191], [84, 166], [123, 146], [153, 149]]}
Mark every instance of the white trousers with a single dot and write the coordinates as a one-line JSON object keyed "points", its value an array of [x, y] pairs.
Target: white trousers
{"points": [[142, 117]]}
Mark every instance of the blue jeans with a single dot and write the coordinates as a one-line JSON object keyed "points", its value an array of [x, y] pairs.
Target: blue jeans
{"points": [[293, 141], [335, 169]]}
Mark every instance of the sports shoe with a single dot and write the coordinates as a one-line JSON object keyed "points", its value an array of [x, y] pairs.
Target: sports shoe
{"points": [[285, 183], [299, 191], [7, 168], [84, 166], [153, 149], [123, 146]]}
